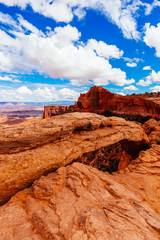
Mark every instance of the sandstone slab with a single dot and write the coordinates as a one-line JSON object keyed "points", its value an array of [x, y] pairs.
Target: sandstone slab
{"points": [[78, 202], [26, 153]]}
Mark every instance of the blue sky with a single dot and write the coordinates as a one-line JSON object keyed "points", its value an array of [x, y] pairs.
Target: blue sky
{"points": [[52, 51]]}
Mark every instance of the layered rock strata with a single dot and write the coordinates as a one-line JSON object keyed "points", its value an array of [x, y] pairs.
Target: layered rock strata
{"points": [[53, 110], [37, 149], [99, 100]]}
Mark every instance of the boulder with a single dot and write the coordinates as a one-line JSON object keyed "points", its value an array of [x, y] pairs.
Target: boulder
{"points": [[152, 128], [150, 125], [26, 153]]}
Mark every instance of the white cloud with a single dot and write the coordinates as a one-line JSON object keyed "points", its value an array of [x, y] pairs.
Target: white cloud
{"points": [[7, 19], [131, 88], [130, 60], [121, 93], [5, 62], [79, 82], [60, 54], [155, 89], [152, 37], [119, 12], [24, 94], [150, 7], [131, 64], [153, 77], [24, 91], [147, 68], [144, 83], [104, 50], [9, 79]]}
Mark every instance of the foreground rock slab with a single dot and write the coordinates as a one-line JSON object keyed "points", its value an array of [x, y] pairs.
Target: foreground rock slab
{"points": [[78, 202], [29, 152]]}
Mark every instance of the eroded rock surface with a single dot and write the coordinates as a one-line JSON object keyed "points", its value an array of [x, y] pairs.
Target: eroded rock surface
{"points": [[52, 110], [79, 202], [37, 149], [152, 128], [99, 100]]}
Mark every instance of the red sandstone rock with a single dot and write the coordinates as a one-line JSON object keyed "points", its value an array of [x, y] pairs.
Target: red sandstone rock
{"points": [[53, 110], [79, 202], [26, 153], [99, 100], [150, 125]]}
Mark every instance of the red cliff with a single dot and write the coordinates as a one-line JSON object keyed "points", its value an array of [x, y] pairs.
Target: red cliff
{"points": [[52, 110], [99, 100]]}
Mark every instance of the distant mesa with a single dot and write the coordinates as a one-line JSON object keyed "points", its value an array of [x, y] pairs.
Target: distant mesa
{"points": [[52, 110], [100, 100]]}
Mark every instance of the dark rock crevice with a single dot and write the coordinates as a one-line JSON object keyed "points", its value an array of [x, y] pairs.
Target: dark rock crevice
{"points": [[114, 157]]}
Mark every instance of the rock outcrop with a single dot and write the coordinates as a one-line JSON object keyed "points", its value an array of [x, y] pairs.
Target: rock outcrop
{"points": [[28, 152], [150, 125], [53, 110], [152, 128], [79, 202], [100, 100]]}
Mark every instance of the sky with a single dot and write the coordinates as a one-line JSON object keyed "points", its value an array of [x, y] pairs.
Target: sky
{"points": [[53, 50]]}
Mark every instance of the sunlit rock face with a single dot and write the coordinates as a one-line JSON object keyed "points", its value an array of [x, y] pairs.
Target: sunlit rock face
{"points": [[106, 185], [26, 153], [53, 110], [100, 100], [79, 202]]}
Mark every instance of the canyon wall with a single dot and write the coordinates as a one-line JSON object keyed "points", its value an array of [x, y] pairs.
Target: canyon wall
{"points": [[53, 110], [100, 100]]}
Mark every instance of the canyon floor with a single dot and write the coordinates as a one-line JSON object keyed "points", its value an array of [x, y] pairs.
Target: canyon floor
{"points": [[80, 176]]}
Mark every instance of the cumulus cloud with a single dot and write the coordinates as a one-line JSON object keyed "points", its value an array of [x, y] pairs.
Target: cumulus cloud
{"points": [[155, 88], [7, 19], [131, 88], [46, 94], [152, 37], [79, 82], [121, 93], [119, 12], [147, 68], [104, 50], [131, 64], [153, 77], [9, 79], [144, 83], [60, 54], [150, 7], [6, 62]]}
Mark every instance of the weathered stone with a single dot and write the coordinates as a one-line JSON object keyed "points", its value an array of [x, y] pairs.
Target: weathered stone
{"points": [[37, 149], [150, 125], [99, 100], [52, 110], [142, 177], [79, 202]]}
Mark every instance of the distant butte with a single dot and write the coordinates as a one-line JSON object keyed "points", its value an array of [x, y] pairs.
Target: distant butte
{"points": [[100, 100]]}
